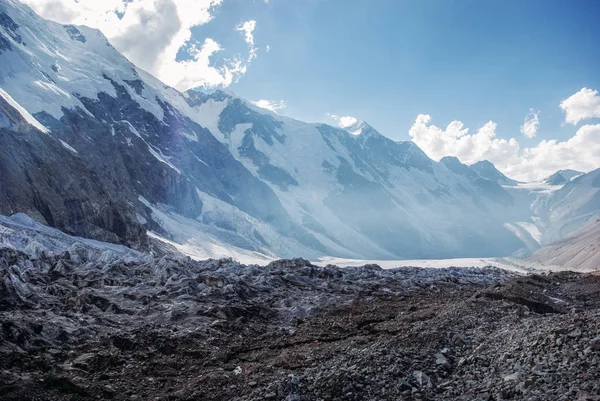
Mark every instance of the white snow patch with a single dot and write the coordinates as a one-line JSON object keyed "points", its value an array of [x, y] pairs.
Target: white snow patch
{"points": [[214, 250], [131, 128], [200, 160], [515, 229], [24, 113], [532, 229], [162, 158], [207, 115], [191, 238], [67, 146]]}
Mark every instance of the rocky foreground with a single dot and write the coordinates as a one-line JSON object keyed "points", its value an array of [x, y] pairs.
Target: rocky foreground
{"points": [[85, 325]]}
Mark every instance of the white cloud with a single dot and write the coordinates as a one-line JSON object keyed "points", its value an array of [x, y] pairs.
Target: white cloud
{"points": [[248, 28], [268, 48], [344, 121], [582, 105], [151, 33], [269, 105], [580, 152], [531, 124]]}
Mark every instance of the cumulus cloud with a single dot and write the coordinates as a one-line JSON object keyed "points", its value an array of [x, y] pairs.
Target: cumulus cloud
{"points": [[269, 105], [582, 105], [152, 32], [580, 152], [344, 121], [455, 140], [531, 124]]}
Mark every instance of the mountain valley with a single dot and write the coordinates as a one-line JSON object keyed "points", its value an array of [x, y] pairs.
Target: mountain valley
{"points": [[138, 158], [158, 244]]}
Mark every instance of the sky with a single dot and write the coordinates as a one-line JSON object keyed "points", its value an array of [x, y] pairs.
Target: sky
{"points": [[512, 81]]}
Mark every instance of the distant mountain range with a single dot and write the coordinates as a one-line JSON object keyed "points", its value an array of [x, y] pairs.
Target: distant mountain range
{"points": [[98, 148]]}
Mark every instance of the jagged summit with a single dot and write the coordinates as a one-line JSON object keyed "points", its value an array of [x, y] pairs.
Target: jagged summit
{"points": [[197, 97], [488, 170], [561, 177], [454, 164], [361, 128]]}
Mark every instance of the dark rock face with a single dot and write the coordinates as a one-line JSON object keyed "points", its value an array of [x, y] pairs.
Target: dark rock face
{"points": [[124, 152], [81, 325], [263, 127], [10, 27], [75, 34], [42, 178]]}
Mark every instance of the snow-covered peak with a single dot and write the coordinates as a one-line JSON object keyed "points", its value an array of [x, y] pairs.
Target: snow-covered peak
{"points": [[455, 165], [561, 177], [361, 128], [357, 128], [196, 97], [46, 66], [488, 170]]}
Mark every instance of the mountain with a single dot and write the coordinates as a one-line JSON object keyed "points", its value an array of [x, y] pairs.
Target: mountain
{"points": [[487, 170], [561, 177], [96, 147], [569, 208], [357, 191], [485, 187], [580, 251]]}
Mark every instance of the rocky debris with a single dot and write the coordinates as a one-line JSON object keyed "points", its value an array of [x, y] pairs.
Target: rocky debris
{"points": [[83, 325]]}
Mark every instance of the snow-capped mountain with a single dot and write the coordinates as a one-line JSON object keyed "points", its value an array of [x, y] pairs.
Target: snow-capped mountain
{"points": [[487, 170], [96, 147], [561, 177]]}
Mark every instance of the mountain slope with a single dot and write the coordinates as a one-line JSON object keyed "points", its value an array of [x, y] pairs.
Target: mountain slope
{"points": [[488, 171], [580, 251], [382, 197], [98, 148], [125, 130], [561, 177], [572, 206]]}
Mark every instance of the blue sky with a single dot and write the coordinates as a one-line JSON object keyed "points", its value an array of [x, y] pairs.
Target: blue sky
{"points": [[421, 70], [386, 61]]}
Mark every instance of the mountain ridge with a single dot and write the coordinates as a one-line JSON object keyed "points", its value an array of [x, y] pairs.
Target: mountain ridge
{"points": [[488, 170], [194, 168]]}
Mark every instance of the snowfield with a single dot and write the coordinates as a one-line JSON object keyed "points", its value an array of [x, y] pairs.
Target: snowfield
{"points": [[511, 264]]}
